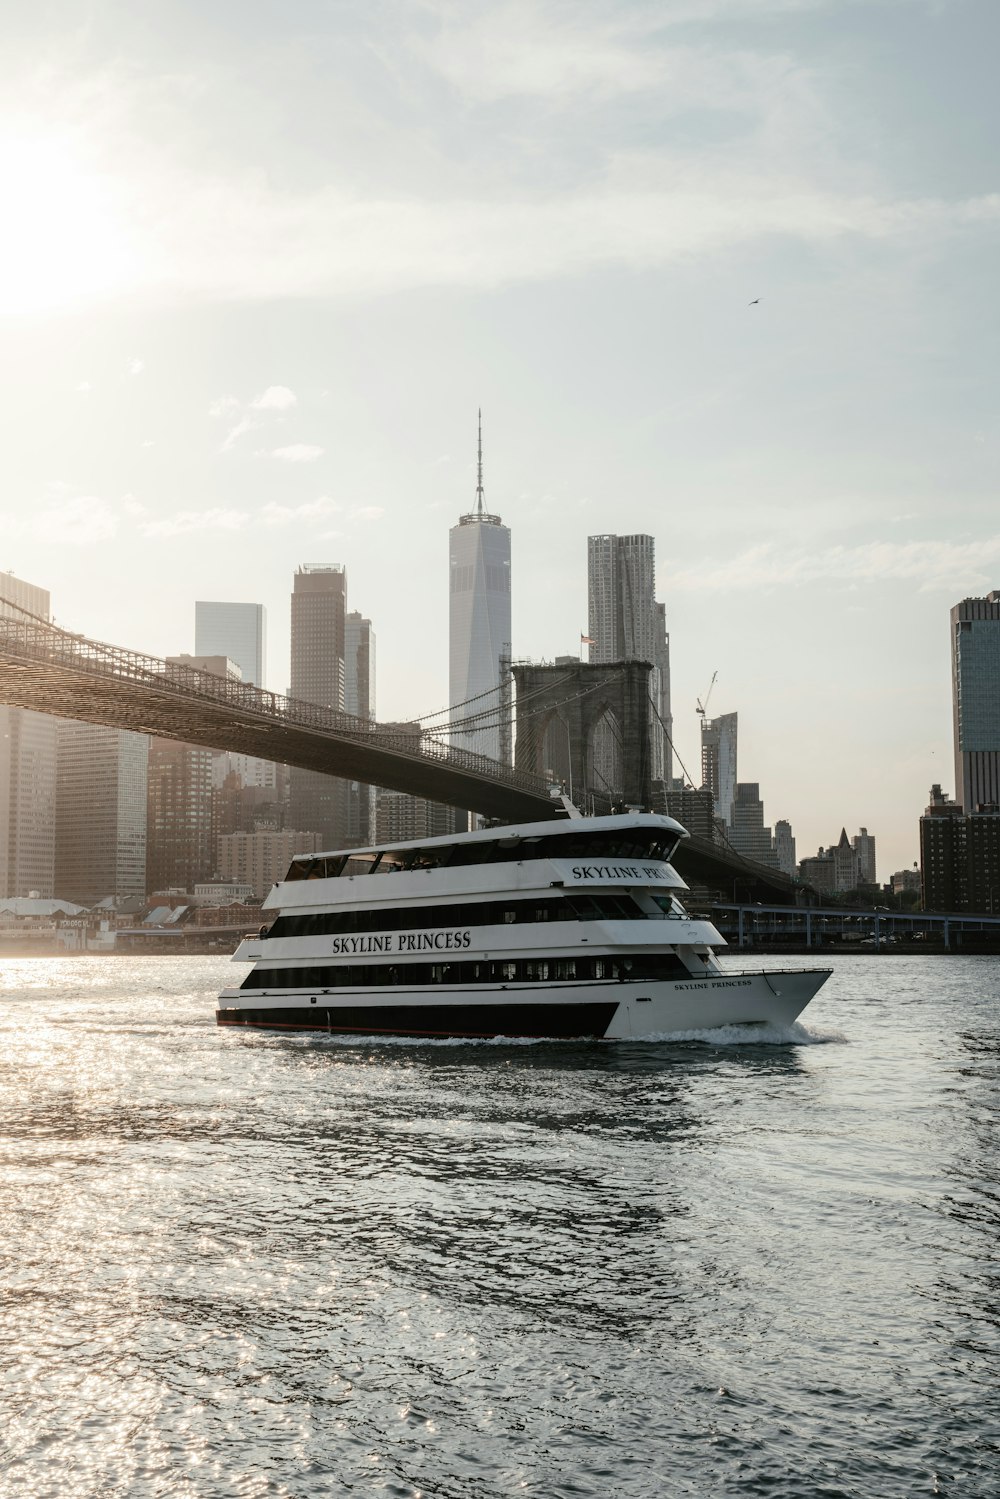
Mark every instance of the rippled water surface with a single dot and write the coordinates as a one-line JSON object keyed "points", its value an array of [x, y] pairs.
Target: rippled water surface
{"points": [[749, 1263]]}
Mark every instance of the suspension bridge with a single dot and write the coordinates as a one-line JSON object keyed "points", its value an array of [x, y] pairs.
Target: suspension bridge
{"points": [[51, 670]]}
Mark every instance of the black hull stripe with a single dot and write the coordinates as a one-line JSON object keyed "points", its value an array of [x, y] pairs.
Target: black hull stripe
{"points": [[536, 1022]]}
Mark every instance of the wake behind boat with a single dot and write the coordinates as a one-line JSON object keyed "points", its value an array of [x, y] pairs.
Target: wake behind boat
{"points": [[541, 930], [568, 929]]}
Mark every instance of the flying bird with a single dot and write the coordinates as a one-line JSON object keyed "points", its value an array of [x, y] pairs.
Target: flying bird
{"points": [[754, 302]]}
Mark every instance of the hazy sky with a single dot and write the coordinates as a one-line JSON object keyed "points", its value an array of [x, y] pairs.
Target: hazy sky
{"points": [[261, 262]]}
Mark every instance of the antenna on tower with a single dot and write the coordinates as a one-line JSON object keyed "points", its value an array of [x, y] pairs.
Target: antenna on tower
{"points": [[479, 485]]}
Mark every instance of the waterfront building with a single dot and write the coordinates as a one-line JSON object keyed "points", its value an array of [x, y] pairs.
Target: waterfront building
{"points": [[27, 771], [692, 808], [819, 871], [845, 864], [179, 843], [784, 847], [625, 623], [905, 881], [975, 680], [239, 807], [261, 859], [479, 624], [864, 847], [100, 845], [748, 835], [838, 868], [959, 857], [400, 816], [180, 811], [238, 631], [319, 624], [718, 763]]}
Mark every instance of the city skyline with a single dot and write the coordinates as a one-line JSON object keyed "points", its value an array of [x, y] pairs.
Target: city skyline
{"points": [[564, 217]]}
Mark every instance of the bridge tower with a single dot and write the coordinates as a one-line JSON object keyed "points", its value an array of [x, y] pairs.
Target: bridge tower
{"points": [[579, 695]]}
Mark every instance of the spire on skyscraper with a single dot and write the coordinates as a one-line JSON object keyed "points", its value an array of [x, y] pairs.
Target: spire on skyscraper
{"points": [[479, 485]]}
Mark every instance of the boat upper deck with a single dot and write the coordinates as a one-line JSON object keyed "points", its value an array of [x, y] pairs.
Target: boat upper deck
{"points": [[621, 838]]}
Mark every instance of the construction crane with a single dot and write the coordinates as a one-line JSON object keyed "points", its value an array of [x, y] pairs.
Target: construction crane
{"points": [[702, 707]]}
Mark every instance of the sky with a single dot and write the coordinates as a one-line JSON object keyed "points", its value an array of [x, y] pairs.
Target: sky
{"points": [[723, 271]]}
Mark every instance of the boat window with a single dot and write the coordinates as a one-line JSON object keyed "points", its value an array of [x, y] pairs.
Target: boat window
{"points": [[642, 968], [581, 906]]}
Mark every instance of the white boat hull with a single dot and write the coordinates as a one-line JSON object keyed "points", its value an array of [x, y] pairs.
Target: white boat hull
{"points": [[612, 1011]]}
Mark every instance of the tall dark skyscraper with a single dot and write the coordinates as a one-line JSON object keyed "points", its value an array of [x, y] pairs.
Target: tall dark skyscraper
{"points": [[625, 623], [319, 803], [975, 684]]}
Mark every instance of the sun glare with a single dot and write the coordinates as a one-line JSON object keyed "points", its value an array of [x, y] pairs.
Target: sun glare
{"points": [[63, 241]]}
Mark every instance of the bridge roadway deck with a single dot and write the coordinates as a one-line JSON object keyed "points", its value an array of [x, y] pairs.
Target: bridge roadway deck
{"points": [[52, 671]]}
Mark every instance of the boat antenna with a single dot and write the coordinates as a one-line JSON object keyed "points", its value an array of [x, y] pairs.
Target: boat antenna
{"points": [[479, 485]]}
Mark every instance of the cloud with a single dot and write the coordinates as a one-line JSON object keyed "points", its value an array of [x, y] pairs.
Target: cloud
{"points": [[275, 398], [612, 140], [273, 514], [648, 211], [929, 564], [234, 433], [224, 406], [185, 522], [83, 520], [368, 512], [298, 452]]}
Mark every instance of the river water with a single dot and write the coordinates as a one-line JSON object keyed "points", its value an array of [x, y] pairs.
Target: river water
{"points": [[745, 1263]]}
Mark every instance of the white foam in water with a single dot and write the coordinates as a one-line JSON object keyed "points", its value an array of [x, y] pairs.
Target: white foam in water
{"points": [[794, 1034]]}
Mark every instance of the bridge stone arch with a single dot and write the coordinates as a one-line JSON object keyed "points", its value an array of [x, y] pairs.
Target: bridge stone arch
{"points": [[580, 694]]}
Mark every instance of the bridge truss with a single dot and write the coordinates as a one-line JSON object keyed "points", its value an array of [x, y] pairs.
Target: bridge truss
{"points": [[52, 671]]}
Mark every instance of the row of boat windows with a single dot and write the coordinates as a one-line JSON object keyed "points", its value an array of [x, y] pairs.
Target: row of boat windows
{"points": [[594, 847], [577, 907], [645, 967]]}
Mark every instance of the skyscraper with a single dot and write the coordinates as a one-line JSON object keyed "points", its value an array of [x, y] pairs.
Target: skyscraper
{"points": [[238, 631], [27, 772], [359, 699], [748, 835], [718, 763], [100, 813], [318, 803], [784, 846], [180, 851], [478, 621], [626, 623], [975, 682], [864, 847]]}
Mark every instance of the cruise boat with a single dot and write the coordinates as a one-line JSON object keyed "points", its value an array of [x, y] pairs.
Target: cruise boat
{"points": [[567, 929]]}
